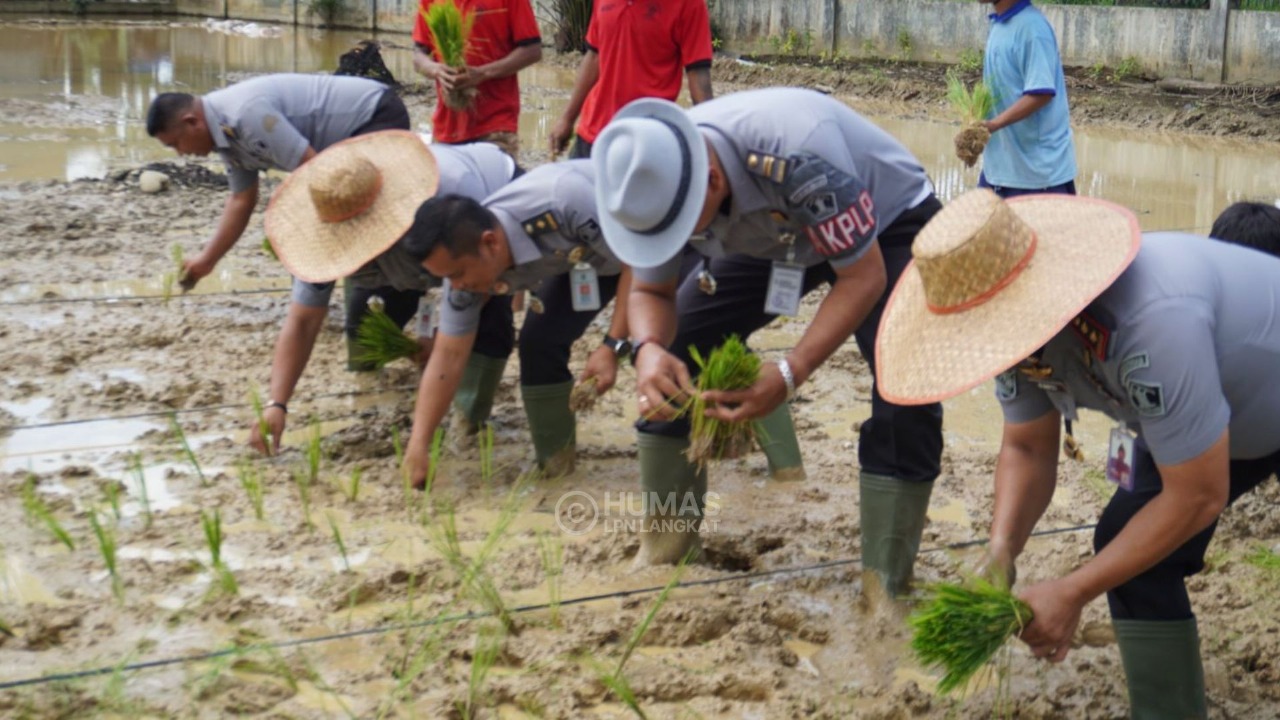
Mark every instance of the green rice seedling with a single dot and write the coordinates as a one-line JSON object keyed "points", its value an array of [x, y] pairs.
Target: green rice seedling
{"points": [[551, 550], [450, 29], [304, 495], [484, 655], [337, 540], [638, 634], [312, 453], [620, 687], [268, 250], [255, 399], [474, 579], [959, 627], [406, 482], [112, 490], [140, 477], [38, 511], [437, 451], [213, 535], [1266, 560], [973, 106], [729, 367], [380, 341], [352, 489], [422, 652], [486, 454], [107, 546], [251, 481], [181, 436]]}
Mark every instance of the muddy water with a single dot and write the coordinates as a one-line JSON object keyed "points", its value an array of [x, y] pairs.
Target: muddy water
{"points": [[95, 82]]}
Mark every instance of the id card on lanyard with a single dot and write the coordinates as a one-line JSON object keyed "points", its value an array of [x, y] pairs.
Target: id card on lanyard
{"points": [[1120, 458], [584, 285], [786, 283]]}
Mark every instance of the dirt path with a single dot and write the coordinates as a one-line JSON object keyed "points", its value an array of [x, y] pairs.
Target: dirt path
{"points": [[779, 646]]}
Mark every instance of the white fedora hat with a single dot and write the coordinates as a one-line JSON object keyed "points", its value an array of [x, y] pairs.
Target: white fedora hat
{"points": [[651, 181], [991, 282]]}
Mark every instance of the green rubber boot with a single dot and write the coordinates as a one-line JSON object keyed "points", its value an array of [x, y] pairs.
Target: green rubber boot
{"points": [[893, 514], [473, 402], [1162, 664], [674, 491], [552, 425], [777, 437]]}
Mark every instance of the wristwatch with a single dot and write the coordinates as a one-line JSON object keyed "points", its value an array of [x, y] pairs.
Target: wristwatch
{"points": [[620, 346]]}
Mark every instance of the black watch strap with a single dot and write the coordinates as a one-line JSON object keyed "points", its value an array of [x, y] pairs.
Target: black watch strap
{"points": [[635, 350], [619, 346]]}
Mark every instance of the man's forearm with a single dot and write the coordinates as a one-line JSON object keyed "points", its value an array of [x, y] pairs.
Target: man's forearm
{"points": [[700, 84], [440, 381], [1025, 107], [1025, 479], [622, 301], [586, 78], [293, 349], [651, 313], [235, 218], [512, 63]]}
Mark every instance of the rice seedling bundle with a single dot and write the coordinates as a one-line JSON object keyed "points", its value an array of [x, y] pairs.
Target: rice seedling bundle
{"points": [[381, 341], [729, 367], [450, 29], [959, 627], [973, 107]]}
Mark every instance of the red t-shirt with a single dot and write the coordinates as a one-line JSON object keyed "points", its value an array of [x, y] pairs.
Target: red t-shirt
{"points": [[500, 26], [644, 46]]}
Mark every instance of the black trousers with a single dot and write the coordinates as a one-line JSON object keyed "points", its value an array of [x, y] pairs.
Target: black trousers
{"points": [[547, 338], [1160, 593], [389, 114], [897, 441]]}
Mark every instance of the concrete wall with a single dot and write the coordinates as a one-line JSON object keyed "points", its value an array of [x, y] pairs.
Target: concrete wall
{"points": [[110, 7], [1169, 43]]}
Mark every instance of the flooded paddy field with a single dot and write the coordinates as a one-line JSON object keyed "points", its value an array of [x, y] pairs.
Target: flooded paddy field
{"points": [[349, 599]]}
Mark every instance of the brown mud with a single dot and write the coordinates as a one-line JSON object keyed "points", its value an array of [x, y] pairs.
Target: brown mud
{"points": [[797, 644]]}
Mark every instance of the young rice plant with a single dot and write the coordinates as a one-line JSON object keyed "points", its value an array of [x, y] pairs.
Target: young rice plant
{"points": [[973, 106], [450, 29], [190, 456], [381, 341], [38, 512], [957, 628], [251, 481], [107, 546], [729, 367]]}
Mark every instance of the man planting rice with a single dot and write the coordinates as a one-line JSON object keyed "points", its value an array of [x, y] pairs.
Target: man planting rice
{"points": [[805, 191], [1173, 336]]}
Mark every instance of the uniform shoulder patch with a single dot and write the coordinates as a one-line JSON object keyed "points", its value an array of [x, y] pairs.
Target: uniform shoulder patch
{"points": [[1146, 397], [771, 167], [1007, 385], [540, 225], [228, 131], [1132, 364]]}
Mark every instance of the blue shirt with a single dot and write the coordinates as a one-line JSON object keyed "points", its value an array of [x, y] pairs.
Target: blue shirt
{"points": [[1022, 59]]}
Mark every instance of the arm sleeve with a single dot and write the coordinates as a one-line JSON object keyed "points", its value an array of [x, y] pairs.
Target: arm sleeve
{"points": [[1177, 391], [1040, 65], [311, 294], [460, 311], [524, 26], [694, 35], [666, 272], [421, 34], [1020, 399], [593, 28], [834, 207], [240, 179], [269, 133]]}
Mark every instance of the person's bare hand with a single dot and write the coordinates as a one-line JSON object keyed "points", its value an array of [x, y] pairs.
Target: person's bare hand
{"points": [[558, 138], [469, 77], [417, 464], [1056, 607], [997, 566], [449, 78], [602, 365], [663, 383], [275, 420], [768, 392], [195, 270]]}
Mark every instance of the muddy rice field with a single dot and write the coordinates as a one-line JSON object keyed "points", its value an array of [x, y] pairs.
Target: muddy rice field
{"points": [[338, 593]]}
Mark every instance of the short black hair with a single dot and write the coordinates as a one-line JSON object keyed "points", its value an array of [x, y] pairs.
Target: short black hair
{"points": [[1252, 224], [453, 222], [165, 109]]}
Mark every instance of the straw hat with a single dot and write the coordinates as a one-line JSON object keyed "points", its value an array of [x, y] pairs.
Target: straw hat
{"points": [[350, 203], [992, 282], [651, 181]]}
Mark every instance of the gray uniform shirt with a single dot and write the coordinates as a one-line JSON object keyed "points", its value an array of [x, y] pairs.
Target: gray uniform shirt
{"points": [[811, 179], [1184, 345], [268, 122], [476, 171], [549, 217]]}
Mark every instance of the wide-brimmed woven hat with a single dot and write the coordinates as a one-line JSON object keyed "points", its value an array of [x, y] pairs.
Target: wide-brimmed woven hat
{"points": [[992, 282], [651, 180], [350, 203]]}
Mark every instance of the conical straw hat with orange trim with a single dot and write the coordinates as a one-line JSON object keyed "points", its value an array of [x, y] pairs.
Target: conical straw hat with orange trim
{"points": [[993, 281]]}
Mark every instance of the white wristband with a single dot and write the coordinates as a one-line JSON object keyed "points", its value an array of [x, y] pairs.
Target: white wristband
{"points": [[787, 377]]}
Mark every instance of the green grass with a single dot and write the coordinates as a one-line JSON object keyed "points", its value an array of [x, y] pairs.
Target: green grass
{"points": [[729, 367], [38, 511], [450, 30], [972, 106], [144, 495], [958, 628], [970, 60], [190, 456], [107, 546], [251, 481], [381, 341]]}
